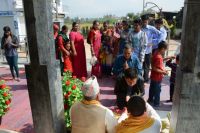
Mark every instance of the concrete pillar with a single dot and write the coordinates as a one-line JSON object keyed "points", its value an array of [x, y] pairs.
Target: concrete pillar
{"points": [[43, 72], [186, 108]]}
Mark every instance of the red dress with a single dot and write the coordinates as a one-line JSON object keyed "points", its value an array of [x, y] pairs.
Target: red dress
{"points": [[95, 37], [79, 61], [67, 63]]}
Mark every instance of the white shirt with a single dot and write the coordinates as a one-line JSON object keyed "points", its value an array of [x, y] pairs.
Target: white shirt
{"points": [[110, 121], [89, 118]]}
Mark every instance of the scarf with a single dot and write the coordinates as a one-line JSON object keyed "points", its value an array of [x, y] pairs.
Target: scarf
{"points": [[92, 102], [135, 124], [64, 36]]}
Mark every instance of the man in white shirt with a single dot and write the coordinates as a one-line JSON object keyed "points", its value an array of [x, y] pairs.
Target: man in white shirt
{"points": [[89, 116]]}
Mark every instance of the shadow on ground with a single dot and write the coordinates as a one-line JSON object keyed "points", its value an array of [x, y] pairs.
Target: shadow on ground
{"points": [[27, 128]]}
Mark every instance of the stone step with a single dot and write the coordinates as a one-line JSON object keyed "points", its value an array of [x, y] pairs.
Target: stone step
{"points": [[7, 131]]}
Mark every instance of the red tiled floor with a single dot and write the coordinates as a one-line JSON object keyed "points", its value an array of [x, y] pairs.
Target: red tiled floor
{"points": [[19, 117]]}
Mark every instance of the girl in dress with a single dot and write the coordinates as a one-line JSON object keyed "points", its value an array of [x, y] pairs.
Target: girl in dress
{"points": [[68, 58]]}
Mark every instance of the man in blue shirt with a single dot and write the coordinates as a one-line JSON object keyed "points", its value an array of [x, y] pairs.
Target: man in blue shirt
{"points": [[125, 61], [158, 38], [150, 31]]}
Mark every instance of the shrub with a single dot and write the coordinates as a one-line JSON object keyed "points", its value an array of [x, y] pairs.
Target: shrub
{"points": [[71, 93], [5, 98]]}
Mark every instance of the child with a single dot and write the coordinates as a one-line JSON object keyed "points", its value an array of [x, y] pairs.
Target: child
{"points": [[67, 58], [157, 73], [107, 55], [173, 66]]}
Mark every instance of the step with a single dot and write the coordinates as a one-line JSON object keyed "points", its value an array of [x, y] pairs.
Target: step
{"points": [[7, 131]]}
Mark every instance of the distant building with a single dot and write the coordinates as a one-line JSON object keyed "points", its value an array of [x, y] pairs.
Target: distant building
{"points": [[12, 14], [179, 18], [7, 17], [169, 15]]}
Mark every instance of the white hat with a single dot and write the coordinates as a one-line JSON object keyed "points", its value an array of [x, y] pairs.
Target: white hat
{"points": [[90, 87]]}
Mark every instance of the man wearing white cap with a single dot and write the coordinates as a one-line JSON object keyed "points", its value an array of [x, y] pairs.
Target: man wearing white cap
{"points": [[89, 116]]}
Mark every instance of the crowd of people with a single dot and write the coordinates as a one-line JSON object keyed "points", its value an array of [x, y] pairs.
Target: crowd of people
{"points": [[89, 116], [108, 44], [127, 52], [115, 48]]}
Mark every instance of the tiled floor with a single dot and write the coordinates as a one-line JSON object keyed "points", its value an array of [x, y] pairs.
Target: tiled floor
{"points": [[19, 117]]}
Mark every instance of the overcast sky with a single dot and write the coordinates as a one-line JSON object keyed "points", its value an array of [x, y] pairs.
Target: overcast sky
{"points": [[98, 8]]}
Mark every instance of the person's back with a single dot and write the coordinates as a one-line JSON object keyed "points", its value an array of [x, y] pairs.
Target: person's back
{"points": [[88, 118], [155, 128]]}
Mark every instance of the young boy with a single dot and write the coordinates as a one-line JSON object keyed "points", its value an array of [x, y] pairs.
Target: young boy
{"points": [[157, 73], [67, 58], [173, 66]]}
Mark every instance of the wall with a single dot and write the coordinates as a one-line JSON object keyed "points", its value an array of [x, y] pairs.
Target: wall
{"points": [[6, 15]]}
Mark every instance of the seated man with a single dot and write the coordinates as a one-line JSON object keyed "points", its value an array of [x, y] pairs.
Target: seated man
{"points": [[142, 118], [125, 61], [89, 116], [128, 85]]}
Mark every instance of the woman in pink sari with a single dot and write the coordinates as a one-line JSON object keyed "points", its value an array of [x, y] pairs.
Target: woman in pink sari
{"points": [[78, 48], [95, 39]]}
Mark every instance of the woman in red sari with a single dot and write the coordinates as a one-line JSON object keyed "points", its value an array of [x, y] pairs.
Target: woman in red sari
{"points": [[78, 48], [95, 39]]}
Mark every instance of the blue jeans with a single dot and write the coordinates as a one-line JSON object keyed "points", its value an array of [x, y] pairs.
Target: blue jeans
{"points": [[154, 92], [13, 63]]}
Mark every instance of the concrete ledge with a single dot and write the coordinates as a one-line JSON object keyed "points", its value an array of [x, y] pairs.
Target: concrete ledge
{"points": [[7, 131]]}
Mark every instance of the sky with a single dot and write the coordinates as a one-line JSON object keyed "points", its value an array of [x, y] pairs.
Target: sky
{"points": [[99, 8]]}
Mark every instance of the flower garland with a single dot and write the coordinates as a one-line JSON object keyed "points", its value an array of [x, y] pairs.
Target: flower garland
{"points": [[71, 93], [5, 98]]}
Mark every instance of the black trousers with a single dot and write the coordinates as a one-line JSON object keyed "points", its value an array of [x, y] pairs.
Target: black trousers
{"points": [[171, 91], [121, 101], [146, 67]]}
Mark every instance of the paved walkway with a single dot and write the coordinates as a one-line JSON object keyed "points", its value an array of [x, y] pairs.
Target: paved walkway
{"points": [[19, 117]]}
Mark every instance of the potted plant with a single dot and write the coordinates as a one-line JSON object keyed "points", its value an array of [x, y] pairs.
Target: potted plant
{"points": [[5, 99], [71, 93]]}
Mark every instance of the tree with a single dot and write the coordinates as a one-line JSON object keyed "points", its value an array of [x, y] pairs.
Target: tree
{"points": [[132, 16]]}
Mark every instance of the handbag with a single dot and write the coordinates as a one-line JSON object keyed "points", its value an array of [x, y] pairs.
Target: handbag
{"points": [[93, 60]]}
